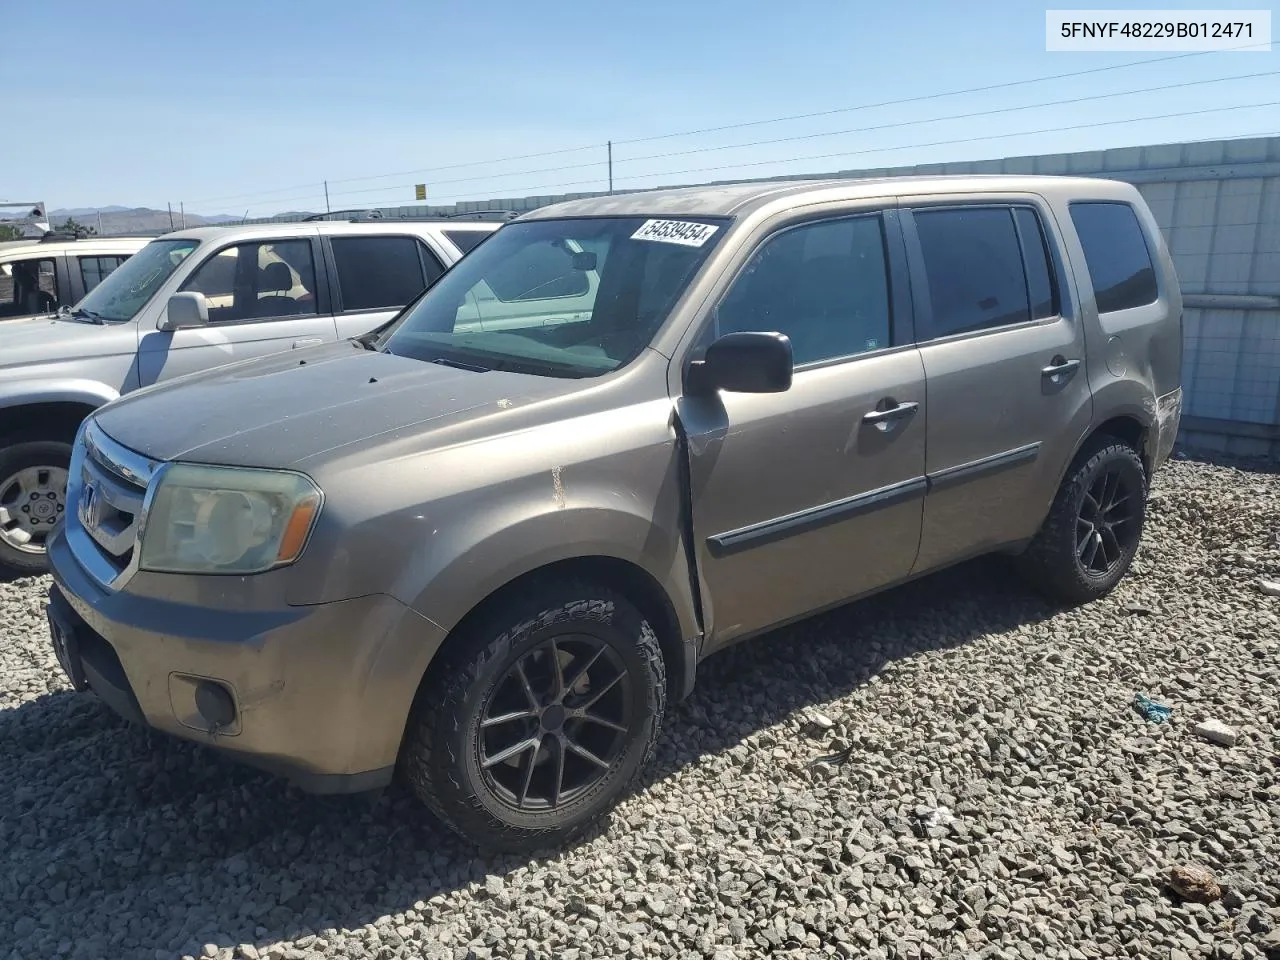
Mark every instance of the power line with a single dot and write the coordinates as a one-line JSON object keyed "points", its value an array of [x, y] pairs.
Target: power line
{"points": [[834, 133], [731, 126], [906, 146], [933, 96]]}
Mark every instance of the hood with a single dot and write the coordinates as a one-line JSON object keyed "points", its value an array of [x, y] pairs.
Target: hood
{"points": [[280, 410], [35, 340]]}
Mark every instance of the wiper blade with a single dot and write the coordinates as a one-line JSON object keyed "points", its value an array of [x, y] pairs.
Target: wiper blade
{"points": [[459, 364], [89, 315]]}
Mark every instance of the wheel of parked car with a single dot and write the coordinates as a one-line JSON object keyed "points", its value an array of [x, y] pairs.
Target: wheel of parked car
{"points": [[539, 718], [33, 490], [1091, 534]]}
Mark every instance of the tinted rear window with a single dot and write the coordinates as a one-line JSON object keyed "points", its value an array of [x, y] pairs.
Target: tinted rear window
{"points": [[466, 240], [377, 272], [973, 262], [1115, 251]]}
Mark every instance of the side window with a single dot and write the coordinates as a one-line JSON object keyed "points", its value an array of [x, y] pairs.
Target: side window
{"points": [[1035, 254], [376, 273], [466, 240], [538, 271], [435, 269], [27, 287], [93, 270], [973, 262], [825, 285], [1116, 254], [254, 281]]}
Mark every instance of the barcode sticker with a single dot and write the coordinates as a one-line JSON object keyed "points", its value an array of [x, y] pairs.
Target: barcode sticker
{"points": [[683, 232]]}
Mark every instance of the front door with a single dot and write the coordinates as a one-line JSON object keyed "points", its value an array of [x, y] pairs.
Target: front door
{"points": [[264, 297], [810, 497], [1004, 360]]}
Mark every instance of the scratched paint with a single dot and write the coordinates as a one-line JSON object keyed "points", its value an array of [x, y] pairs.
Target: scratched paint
{"points": [[557, 488]]}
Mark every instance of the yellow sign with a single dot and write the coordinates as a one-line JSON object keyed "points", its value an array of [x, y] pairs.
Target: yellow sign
{"points": [[420, 191]]}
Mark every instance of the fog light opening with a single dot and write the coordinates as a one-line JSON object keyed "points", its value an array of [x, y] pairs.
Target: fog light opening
{"points": [[215, 704]]}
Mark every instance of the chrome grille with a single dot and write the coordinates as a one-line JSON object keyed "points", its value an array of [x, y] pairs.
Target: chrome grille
{"points": [[107, 492]]}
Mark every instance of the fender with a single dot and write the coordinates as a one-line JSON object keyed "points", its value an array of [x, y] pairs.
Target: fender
{"points": [[1119, 398], [496, 556], [90, 393], [500, 554]]}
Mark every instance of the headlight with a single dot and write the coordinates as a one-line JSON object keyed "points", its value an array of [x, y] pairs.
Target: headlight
{"points": [[227, 519]]}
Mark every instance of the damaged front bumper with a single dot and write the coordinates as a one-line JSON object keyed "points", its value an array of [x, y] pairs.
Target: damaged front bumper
{"points": [[299, 691]]}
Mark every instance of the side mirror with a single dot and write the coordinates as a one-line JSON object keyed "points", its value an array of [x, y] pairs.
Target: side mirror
{"points": [[743, 363], [186, 310]]}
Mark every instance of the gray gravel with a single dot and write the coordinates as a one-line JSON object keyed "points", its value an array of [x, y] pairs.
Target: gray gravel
{"points": [[1064, 810]]}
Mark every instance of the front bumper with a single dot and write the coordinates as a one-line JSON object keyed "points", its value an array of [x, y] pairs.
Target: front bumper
{"points": [[319, 694]]}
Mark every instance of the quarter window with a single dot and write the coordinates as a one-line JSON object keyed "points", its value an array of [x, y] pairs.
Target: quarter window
{"points": [[254, 281], [93, 270], [824, 285], [378, 273], [1116, 254], [466, 240], [974, 266], [1035, 254]]}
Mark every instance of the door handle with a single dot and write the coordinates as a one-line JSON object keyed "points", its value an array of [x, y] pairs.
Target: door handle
{"points": [[1060, 367], [900, 412], [308, 342]]}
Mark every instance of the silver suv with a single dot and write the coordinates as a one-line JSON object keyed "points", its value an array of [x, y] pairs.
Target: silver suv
{"points": [[185, 302], [488, 556]]}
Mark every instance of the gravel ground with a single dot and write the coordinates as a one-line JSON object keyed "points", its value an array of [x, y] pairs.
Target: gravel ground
{"points": [[1065, 809]]}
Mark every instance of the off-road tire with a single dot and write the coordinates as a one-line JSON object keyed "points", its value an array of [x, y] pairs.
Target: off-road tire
{"points": [[1050, 564], [20, 456], [440, 757]]}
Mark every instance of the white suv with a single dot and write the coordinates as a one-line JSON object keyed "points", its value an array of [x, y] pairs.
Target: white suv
{"points": [[38, 276], [185, 302]]}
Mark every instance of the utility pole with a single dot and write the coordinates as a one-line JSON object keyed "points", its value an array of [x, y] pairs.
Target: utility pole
{"points": [[610, 146], [183, 211], [170, 216], [99, 223], [326, 196]]}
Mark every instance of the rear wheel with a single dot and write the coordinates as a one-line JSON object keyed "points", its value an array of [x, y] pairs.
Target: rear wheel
{"points": [[539, 720], [1095, 524], [33, 491]]}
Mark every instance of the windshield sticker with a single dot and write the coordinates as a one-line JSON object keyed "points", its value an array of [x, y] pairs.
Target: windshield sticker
{"points": [[675, 231]]}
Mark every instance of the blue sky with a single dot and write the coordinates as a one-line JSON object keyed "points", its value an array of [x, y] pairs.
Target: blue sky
{"points": [[242, 105]]}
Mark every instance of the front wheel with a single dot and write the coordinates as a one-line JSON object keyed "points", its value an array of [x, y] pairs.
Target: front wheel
{"points": [[539, 719], [1092, 532], [33, 494]]}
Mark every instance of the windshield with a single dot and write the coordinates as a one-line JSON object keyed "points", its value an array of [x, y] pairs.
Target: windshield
{"points": [[127, 288], [574, 298]]}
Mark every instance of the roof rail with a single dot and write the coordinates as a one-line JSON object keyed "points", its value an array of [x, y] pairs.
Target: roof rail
{"points": [[362, 216], [52, 237]]}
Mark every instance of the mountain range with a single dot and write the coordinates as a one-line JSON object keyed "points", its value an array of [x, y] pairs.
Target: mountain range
{"points": [[117, 219]]}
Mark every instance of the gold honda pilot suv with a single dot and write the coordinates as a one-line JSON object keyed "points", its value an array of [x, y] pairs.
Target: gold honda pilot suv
{"points": [[486, 545]]}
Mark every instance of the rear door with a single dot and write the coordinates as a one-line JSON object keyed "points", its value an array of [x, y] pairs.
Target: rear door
{"points": [[376, 275], [264, 296], [1003, 350], [807, 498]]}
